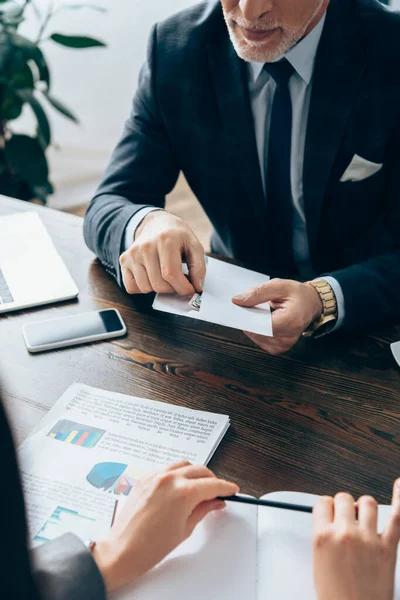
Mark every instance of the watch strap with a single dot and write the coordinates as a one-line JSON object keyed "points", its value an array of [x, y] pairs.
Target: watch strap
{"points": [[329, 308]]}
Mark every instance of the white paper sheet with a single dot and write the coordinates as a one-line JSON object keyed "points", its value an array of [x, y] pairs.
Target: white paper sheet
{"points": [[217, 562], [222, 282], [285, 549]]}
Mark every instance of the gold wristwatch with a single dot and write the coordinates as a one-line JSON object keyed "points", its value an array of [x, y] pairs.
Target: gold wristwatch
{"points": [[328, 318]]}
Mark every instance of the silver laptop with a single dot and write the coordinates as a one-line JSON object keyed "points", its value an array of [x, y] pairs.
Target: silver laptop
{"points": [[32, 272]]}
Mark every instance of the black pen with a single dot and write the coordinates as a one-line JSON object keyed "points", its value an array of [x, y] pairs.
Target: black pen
{"points": [[268, 503]]}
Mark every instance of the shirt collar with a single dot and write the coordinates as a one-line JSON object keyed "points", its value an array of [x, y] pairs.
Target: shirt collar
{"points": [[301, 56]]}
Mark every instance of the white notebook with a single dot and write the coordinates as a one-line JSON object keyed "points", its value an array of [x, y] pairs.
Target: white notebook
{"points": [[243, 552]]}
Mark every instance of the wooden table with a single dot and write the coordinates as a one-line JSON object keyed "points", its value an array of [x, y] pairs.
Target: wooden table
{"points": [[323, 418]]}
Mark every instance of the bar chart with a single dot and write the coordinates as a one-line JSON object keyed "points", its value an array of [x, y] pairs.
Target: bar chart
{"points": [[76, 433]]}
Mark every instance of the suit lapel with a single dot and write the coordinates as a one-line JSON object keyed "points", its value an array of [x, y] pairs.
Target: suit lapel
{"points": [[229, 77], [337, 74]]}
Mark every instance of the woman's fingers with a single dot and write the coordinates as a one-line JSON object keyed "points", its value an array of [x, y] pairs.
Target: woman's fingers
{"points": [[392, 531], [323, 513], [201, 511], [368, 514], [196, 472], [345, 511]]}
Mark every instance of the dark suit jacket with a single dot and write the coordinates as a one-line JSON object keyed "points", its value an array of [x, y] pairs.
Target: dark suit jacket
{"points": [[60, 570], [192, 113]]}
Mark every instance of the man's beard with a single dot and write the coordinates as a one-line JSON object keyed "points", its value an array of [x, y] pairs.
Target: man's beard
{"points": [[256, 51]]}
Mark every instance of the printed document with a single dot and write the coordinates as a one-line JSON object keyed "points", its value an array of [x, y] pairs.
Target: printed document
{"points": [[93, 445]]}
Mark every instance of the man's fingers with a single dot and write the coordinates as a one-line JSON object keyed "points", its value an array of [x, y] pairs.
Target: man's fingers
{"points": [[156, 279], [272, 290], [368, 514], [345, 512], [392, 531], [282, 322], [196, 263], [272, 345], [141, 279], [323, 513], [171, 270], [129, 281]]}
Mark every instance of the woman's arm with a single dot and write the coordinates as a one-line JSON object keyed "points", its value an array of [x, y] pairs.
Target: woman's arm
{"points": [[161, 511]]}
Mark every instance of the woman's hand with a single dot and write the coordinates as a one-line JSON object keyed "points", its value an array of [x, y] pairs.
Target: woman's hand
{"points": [[161, 511], [351, 560]]}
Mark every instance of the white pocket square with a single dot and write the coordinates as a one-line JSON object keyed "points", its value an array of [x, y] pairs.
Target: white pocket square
{"points": [[360, 168]]}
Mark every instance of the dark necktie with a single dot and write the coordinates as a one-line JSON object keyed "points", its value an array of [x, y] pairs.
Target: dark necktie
{"points": [[278, 180]]}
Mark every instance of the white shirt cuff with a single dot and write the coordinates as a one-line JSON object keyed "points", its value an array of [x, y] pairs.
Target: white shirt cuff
{"points": [[134, 223], [335, 285]]}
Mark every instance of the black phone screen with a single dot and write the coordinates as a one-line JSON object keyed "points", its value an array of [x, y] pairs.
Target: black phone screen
{"points": [[74, 327]]}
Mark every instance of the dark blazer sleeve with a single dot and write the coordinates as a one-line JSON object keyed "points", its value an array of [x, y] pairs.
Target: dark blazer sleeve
{"points": [[65, 570], [142, 170], [371, 288], [59, 570]]}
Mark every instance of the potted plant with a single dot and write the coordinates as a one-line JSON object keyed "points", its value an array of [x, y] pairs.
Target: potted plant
{"points": [[25, 80]]}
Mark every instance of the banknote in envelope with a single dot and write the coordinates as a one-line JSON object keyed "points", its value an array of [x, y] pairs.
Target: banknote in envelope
{"points": [[195, 301]]}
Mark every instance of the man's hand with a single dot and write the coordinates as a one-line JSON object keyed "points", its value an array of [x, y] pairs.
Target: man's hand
{"points": [[351, 560], [154, 261], [161, 512], [295, 306]]}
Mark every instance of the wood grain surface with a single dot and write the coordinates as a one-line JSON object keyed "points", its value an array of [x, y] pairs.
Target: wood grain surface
{"points": [[323, 418]]}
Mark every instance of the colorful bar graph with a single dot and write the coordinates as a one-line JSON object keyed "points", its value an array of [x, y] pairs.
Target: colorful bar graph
{"points": [[76, 433], [70, 438], [92, 439], [83, 437]]}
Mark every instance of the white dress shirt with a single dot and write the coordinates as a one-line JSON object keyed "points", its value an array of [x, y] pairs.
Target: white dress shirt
{"points": [[262, 88]]}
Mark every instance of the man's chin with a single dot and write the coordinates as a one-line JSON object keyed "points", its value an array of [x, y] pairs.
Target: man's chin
{"points": [[254, 52]]}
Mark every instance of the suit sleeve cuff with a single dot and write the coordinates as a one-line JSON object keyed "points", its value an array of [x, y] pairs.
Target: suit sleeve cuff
{"points": [[64, 569], [134, 223], [337, 290]]}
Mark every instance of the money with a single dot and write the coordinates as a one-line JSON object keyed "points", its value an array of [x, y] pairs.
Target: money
{"points": [[195, 301]]}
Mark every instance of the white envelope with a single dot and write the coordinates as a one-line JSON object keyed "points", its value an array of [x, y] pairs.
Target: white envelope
{"points": [[360, 168], [222, 282]]}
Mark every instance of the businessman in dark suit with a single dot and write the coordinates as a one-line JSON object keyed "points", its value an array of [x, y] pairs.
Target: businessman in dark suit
{"points": [[284, 117]]}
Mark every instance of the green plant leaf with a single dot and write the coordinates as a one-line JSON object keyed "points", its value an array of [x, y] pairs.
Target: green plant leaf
{"points": [[11, 105], [11, 14], [22, 79], [76, 41], [43, 128], [12, 10], [60, 107], [20, 41], [29, 51], [27, 160]]}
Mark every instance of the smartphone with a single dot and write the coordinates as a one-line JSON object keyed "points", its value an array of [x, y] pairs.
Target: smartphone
{"points": [[73, 330]]}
